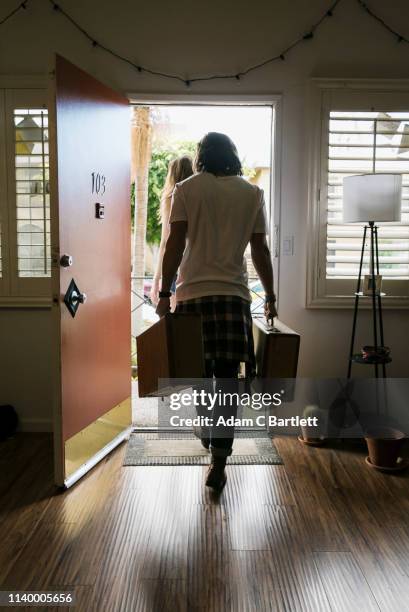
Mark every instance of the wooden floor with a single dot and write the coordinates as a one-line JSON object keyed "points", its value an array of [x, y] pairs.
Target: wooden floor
{"points": [[322, 532]]}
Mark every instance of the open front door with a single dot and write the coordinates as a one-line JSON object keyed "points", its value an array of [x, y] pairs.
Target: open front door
{"points": [[90, 227]]}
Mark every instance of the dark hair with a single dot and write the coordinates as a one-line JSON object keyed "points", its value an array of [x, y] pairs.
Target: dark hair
{"points": [[217, 154]]}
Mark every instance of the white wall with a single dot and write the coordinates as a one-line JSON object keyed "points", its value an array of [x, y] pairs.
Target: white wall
{"points": [[191, 38], [25, 358]]}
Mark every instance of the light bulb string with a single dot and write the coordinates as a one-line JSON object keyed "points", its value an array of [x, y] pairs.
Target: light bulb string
{"points": [[238, 75], [189, 80], [22, 6], [400, 37]]}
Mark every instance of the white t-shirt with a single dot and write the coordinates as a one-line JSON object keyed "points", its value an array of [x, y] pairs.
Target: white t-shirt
{"points": [[222, 212]]}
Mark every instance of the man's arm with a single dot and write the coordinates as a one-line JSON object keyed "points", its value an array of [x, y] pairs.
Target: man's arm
{"points": [[261, 257], [175, 246]]}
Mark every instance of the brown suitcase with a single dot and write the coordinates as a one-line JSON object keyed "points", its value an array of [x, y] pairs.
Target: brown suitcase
{"points": [[276, 349], [171, 348]]}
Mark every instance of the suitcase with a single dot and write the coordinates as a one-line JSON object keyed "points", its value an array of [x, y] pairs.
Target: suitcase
{"points": [[171, 348], [276, 348]]}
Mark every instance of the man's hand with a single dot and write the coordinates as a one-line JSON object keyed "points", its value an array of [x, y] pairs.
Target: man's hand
{"points": [[270, 310], [163, 307]]}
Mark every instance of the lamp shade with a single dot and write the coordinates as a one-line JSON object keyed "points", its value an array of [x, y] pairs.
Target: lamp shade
{"points": [[372, 197]]}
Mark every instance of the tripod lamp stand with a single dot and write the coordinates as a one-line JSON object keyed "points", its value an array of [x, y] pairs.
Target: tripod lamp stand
{"points": [[370, 199]]}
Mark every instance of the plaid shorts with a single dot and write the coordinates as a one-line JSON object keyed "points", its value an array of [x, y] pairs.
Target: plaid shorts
{"points": [[227, 327]]}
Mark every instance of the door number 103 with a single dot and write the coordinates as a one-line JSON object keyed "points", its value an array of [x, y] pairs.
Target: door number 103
{"points": [[98, 183]]}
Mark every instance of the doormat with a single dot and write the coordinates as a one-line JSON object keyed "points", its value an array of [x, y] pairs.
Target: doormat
{"points": [[186, 449]]}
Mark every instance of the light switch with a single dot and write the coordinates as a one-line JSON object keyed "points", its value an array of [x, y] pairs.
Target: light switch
{"points": [[288, 245]]}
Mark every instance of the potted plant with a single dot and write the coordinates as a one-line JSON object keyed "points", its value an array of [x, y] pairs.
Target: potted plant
{"points": [[384, 447], [311, 435]]}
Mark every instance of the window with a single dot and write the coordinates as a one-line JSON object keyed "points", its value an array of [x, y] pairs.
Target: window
{"points": [[361, 132], [24, 198], [363, 142], [32, 192]]}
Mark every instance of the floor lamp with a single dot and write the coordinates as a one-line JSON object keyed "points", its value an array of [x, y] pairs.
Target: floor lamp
{"points": [[371, 198]]}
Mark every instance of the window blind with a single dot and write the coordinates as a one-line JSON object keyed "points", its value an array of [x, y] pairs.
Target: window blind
{"points": [[32, 192], [364, 142]]}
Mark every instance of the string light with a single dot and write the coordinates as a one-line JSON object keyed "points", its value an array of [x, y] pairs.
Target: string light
{"points": [[21, 7], [235, 75], [400, 38], [188, 82]]}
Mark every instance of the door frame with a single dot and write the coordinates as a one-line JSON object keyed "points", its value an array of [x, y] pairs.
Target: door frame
{"points": [[273, 100]]}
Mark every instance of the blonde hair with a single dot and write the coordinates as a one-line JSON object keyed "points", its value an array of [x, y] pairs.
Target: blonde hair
{"points": [[178, 170]]}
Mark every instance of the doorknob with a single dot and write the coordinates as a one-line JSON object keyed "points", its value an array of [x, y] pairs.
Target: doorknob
{"points": [[74, 297], [66, 261], [80, 297]]}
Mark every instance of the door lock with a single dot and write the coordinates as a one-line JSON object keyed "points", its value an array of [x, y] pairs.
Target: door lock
{"points": [[66, 261], [74, 297]]}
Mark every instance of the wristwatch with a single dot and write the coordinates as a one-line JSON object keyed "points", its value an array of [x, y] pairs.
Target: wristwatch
{"points": [[165, 294]]}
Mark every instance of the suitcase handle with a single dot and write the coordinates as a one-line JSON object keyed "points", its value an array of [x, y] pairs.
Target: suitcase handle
{"points": [[268, 325]]}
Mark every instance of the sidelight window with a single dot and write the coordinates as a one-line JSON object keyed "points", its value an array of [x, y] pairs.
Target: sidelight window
{"points": [[25, 241], [32, 190]]}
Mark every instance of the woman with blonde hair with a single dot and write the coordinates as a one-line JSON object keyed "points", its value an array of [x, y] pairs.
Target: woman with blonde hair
{"points": [[179, 169]]}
